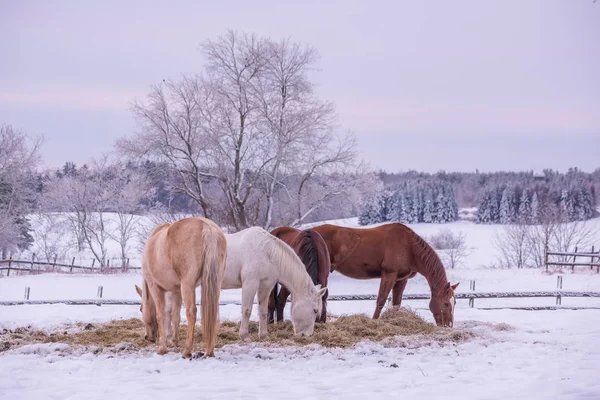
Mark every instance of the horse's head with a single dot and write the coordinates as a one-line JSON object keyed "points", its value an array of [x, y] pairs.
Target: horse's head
{"points": [[306, 309], [148, 316], [442, 305]]}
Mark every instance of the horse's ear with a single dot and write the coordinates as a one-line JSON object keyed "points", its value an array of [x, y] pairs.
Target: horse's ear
{"points": [[321, 292], [138, 290], [455, 286]]}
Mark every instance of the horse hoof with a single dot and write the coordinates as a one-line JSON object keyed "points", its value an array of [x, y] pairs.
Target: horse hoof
{"points": [[186, 354], [161, 351], [262, 336]]}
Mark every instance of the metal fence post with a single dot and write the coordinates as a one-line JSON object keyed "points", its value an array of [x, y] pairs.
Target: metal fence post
{"points": [[72, 263], [9, 263], [27, 290]]}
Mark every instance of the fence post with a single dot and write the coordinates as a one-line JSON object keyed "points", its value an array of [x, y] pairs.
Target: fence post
{"points": [[472, 288], [32, 261], [93, 262], [108, 264], [54, 263], [100, 291], [27, 290], [559, 282], [9, 263], [546, 257], [127, 265], [72, 263], [574, 258]]}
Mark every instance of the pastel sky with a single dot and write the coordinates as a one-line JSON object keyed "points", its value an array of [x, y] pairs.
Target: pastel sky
{"points": [[427, 85]]}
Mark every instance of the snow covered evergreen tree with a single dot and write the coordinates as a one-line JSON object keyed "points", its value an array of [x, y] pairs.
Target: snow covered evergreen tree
{"points": [[535, 209], [371, 210], [524, 214], [507, 201]]}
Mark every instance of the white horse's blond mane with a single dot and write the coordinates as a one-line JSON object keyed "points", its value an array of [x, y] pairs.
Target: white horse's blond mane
{"points": [[285, 258]]}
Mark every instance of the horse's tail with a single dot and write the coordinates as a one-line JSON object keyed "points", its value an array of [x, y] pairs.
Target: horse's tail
{"points": [[215, 252]]}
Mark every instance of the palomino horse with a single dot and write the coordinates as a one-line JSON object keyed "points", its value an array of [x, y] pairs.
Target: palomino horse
{"points": [[177, 258], [312, 250], [256, 260], [394, 253]]}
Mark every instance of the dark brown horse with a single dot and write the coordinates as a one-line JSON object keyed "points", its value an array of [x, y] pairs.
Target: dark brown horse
{"points": [[312, 250], [394, 253]]}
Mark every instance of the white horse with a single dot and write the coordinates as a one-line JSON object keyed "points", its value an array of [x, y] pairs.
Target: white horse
{"points": [[256, 261]]}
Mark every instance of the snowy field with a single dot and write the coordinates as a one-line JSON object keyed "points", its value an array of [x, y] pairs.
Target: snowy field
{"points": [[531, 354]]}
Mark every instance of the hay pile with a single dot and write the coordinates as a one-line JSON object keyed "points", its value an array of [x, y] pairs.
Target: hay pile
{"points": [[343, 331]]}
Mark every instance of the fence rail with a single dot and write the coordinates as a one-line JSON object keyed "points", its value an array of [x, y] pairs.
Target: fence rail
{"points": [[34, 266], [352, 297]]}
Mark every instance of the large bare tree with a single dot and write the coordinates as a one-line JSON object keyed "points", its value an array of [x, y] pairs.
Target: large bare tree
{"points": [[252, 124]]}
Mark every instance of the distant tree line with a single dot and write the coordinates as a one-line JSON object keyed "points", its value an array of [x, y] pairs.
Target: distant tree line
{"points": [[411, 202], [508, 204], [470, 187]]}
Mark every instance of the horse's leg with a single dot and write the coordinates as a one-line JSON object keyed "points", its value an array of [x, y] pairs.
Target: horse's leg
{"points": [[158, 294], [175, 316], [284, 293], [323, 317], [249, 289], [263, 301], [272, 304], [188, 292], [385, 286], [397, 291]]}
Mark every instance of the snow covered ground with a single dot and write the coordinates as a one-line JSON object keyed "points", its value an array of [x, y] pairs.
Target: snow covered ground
{"points": [[541, 355]]}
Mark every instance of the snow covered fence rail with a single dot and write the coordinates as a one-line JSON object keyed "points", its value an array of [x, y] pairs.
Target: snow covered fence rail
{"points": [[355, 297], [34, 266]]}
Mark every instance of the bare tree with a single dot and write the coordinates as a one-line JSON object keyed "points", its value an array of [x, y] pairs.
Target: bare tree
{"points": [[48, 235], [171, 130], [513, 245], [554, 233], [452, 247], [19, 155], [251, 124], [128, 189]]}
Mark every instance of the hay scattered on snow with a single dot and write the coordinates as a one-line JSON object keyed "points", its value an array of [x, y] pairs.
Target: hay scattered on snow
{"points": [[343, 331]]}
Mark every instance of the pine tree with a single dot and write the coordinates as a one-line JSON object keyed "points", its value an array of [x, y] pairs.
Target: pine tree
{"points": [[535, 209], [507, 211], [524, 214], [484, 215], [428, 206], [371, 210]]}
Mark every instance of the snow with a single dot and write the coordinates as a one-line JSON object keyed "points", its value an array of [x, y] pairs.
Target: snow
{"points": [[531, 354], [548, 355]]}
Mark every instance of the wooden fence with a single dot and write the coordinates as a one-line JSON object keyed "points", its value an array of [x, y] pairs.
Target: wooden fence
{"points": [[471, 296], [37, 266], [566, 259]]}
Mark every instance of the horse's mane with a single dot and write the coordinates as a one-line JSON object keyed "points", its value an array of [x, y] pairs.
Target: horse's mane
{"points": [[434, 269], [308, 252], [283, 255]]}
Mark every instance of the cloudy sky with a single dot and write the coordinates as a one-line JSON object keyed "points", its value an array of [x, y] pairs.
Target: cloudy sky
{"points": [[428, 85]]}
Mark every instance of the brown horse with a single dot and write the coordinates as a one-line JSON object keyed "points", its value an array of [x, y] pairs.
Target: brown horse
{"points": [[312, 250], [178, 257], [394, 253]]}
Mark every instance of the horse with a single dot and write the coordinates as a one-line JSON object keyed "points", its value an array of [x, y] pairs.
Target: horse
{"points": [[394, 253], [177, 258], [256, 261], [312, 250]]}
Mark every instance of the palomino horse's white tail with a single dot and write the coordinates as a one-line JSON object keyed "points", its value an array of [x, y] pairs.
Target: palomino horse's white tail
{"points": [[212, 277]]}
